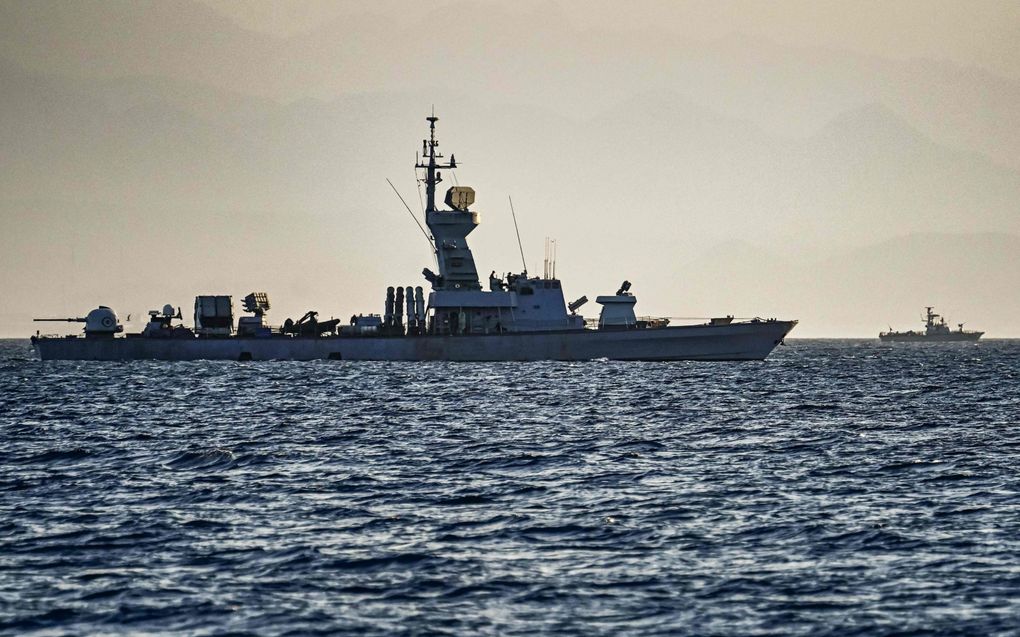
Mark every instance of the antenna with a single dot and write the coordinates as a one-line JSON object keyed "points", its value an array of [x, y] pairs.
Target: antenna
{"points": [[545, 260], [428, 237], [433, 176], [518, 231], [549, 265], [421, 201]]}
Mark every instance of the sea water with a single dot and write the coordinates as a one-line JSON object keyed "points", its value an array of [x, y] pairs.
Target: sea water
{"points": [[841, 487]]}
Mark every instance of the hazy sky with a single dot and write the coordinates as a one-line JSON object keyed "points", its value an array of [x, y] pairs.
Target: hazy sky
{"points": [[841, 163], [966, 33]]}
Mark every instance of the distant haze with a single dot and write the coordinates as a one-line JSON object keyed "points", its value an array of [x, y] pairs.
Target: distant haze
{"points": [[841, 163]]}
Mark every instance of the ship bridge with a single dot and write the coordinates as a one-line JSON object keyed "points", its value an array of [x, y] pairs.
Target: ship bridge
{"points": [[457, 303]]}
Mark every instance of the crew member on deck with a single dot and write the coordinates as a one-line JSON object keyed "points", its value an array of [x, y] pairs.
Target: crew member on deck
{"points": [[495, 283]]}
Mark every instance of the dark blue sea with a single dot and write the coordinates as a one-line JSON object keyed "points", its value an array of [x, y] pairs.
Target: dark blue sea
{"points": [[840, 488]]}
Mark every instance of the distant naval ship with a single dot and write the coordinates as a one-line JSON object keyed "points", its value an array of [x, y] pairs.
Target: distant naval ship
{"points": [[935, 331], [518, 318]]}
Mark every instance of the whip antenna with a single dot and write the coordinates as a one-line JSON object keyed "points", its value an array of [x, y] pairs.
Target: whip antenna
{"points": [[518, 231], [428, 237]]}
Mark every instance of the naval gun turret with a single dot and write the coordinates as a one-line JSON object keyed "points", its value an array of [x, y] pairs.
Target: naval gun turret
{"points": [[101, 322]]}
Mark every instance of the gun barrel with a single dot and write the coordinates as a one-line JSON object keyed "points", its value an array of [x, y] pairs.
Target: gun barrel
{"points": [[60, 320]]}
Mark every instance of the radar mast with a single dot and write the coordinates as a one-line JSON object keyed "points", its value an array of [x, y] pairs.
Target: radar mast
{"points": [[430, 164], [450, 228]]}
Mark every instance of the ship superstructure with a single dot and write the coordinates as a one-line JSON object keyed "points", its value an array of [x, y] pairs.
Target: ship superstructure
{"points": [[516, 317], [935, 330], [457, 303]]}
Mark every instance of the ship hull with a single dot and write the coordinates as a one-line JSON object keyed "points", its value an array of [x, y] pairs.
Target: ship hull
{"points": [[738, 341], [955, 337]]}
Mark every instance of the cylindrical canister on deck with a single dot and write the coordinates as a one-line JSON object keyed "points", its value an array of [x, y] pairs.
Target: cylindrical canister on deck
{"points": [[388, 317], [419, 304], [398, 308], [409, 298]]}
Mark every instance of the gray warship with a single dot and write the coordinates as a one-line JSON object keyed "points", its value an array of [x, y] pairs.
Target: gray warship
{"points": [[935, 331], [518, 318]]}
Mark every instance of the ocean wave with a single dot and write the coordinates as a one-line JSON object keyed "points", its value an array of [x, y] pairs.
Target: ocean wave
{"points": [[841, 488]]}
